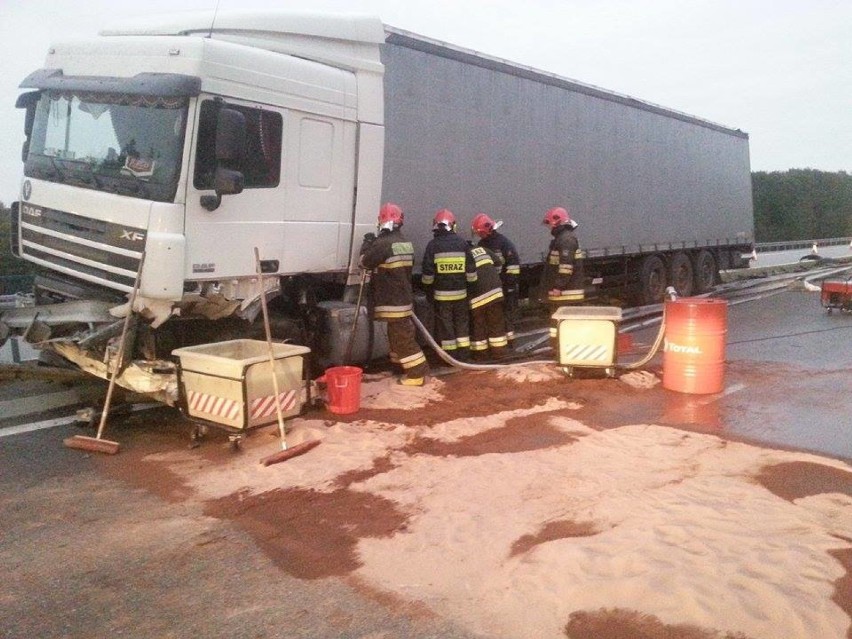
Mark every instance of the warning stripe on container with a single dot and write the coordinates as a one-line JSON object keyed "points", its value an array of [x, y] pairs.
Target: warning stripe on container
{"points": [[586, 352], [212, 405], [265, 406]]}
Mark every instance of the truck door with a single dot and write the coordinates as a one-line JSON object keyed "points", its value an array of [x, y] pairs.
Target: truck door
{"points": [[296, 204]]}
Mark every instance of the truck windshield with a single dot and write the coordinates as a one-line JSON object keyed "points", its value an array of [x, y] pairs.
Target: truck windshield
{"points": [[126, 144]]}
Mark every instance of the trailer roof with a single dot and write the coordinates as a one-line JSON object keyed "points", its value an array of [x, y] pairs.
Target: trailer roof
{"points": [[418, 42], [348, 27], [267, 27]]}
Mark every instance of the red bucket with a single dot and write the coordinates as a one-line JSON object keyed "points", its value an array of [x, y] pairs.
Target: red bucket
{"points": [[343, 386], [694, 352]]}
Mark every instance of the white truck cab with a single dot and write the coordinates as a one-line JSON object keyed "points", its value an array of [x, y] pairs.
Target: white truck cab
{"points": [[195, 141]]}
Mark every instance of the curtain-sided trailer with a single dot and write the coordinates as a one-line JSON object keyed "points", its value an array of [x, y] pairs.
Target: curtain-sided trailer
{"points": [[661, 197]]}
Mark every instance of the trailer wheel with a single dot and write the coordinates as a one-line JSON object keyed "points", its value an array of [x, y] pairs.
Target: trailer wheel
{"points": [[706, 271], [653, 280], [681, 274]]}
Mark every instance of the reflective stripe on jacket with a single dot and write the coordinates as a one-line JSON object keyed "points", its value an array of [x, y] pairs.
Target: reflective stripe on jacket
{"points": [[447, 267], [392, 257], [487, 287], [563, 270], [502, 245]]}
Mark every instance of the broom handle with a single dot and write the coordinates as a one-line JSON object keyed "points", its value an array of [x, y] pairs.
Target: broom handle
{"points": [[120, 358], [278, 412], [348, 356]]}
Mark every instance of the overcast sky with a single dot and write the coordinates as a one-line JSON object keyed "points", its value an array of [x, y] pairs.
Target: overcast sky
{"points": [[781, 70]]}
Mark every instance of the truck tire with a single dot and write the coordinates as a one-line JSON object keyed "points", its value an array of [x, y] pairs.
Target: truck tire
{"points": [[653, 280], [681, 274], [706, 271]]}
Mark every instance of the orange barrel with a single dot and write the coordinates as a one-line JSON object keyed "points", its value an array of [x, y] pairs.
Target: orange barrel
{"points": [[694, 351], [343, 386]]}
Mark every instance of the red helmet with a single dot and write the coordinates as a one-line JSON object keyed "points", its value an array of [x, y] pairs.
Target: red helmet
{"points": [[444, 218], [390, 216], [482, 225], [558, 216]]}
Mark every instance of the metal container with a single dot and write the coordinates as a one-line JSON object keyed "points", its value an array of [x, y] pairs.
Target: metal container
{"points": [[694, 347], [587, 336], [338, 321], [230, 383]]}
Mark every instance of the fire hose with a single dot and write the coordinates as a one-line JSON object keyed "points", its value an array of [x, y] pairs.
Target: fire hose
{"points": [[632, 366]]}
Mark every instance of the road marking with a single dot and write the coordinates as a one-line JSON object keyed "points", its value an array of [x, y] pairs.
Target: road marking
{"points": [[63, 421], [28, 428], [38, 403]]}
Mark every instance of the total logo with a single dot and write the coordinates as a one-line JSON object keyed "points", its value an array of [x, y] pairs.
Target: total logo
{"points": [[671, 347]]}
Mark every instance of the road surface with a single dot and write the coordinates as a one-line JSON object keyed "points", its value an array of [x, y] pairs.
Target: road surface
{"points": [[129, 545]]}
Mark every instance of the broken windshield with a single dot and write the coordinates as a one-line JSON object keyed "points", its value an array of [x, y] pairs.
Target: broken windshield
{"points": [[121, 143]]}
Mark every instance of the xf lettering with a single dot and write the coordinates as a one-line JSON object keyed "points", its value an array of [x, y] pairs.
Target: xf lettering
{"points": [[133, 236]]}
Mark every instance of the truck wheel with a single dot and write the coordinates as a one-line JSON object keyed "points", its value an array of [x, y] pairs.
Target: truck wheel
{"points": [[653, 280], [681, 274], [706, 271]]}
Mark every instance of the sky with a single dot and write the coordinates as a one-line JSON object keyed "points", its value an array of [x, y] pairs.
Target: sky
{"points": [[780, 70]]}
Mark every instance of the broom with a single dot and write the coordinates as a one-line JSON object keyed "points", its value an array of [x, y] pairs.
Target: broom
{"points": [[299, 449], [347, 358], [97, 444]]}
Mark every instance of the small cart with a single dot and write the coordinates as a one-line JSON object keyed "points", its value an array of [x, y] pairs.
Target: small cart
{"points": [[836, 294], [228, 385], [587, 337]]}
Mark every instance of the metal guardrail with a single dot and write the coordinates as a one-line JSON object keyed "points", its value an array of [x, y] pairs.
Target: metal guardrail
{"points": [[18, 300], [768, 247]]}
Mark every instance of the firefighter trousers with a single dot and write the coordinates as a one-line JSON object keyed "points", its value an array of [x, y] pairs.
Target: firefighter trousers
{"points": [[510, 309], [404, 349], [452, 325], [489, 329]]}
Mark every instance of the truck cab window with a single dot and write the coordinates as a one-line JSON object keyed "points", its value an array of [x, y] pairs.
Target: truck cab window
{"points": [[121, 143], [261, 167]]}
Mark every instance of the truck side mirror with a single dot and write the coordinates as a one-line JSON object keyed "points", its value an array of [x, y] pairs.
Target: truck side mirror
{"points": [[28, 101], [230, 136], [230, 150], [227, 182]]}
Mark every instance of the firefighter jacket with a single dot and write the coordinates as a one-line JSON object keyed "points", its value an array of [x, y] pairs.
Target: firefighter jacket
{"points": [[447, 267], [392, 257], [487, 287], [502, 245], [563, 270]]}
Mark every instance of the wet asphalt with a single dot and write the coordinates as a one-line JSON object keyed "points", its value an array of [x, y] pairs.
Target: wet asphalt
{"points": [[84, 555]]}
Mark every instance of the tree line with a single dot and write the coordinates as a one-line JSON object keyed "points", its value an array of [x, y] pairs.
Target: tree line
{"points": [[801, 204], [798, 204]]}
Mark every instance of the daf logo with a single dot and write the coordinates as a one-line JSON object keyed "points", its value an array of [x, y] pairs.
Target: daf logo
{"points": [[27, 191], [132, 236], [32, 211]]}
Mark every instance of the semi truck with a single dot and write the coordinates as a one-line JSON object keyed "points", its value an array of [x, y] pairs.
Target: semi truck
{"points": [[195, 138]]}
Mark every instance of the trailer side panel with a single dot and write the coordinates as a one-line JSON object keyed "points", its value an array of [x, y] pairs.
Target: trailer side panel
{"points": [[474, 134]]}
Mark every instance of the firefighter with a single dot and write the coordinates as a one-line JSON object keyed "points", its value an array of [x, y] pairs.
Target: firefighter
{"points": [[390, 256], [448, 269], [510, 272], [486, 306], [563, 270]]}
